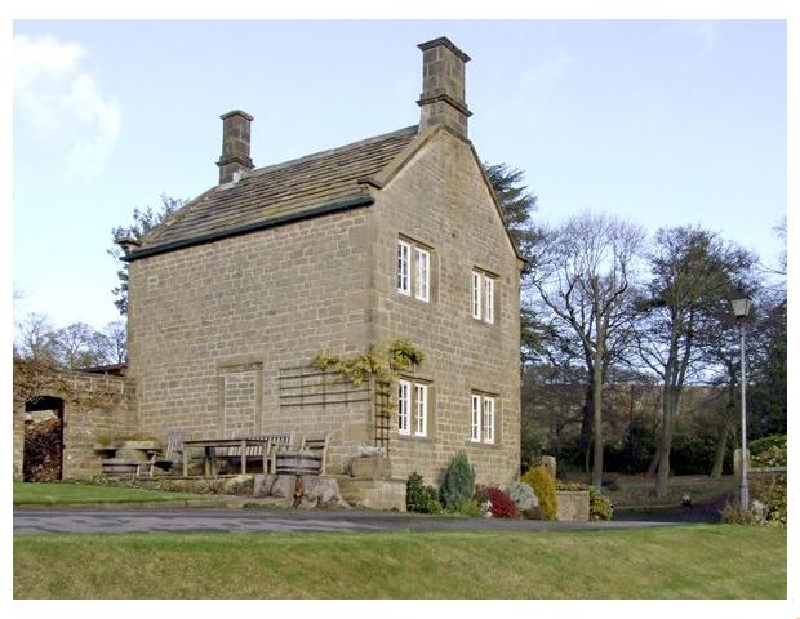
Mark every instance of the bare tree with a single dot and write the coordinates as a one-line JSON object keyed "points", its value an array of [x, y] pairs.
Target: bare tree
{"points": [[79, 345], [583, 276], [693, 276], [780, 232], [34, 359], [35, 338], [72, 347], [117, 340]]}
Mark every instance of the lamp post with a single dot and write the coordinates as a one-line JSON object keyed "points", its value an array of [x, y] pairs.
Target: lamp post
{"points": [[741, 308]]}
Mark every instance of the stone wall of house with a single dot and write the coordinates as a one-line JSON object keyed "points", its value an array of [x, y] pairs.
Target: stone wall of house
{"points": [[440, 202], [212, 327]]}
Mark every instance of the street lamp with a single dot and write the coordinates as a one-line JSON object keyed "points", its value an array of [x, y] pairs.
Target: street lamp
{"points": [[741, 308]]}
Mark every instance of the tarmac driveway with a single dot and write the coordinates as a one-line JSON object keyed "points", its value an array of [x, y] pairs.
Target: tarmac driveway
{"points": [[207, 520]]}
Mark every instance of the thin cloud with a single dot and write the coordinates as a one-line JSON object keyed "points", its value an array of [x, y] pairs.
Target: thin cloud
{"points": [[63, 104], [536, 85], [546, 72], [705, 32]]}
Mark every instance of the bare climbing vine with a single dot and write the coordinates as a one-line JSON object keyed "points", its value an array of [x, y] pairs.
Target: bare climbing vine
{"points": [[402, 355]]}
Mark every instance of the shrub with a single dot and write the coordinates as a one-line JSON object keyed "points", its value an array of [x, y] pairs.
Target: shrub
{"points": [[544, 486], [481, 493], [523, 496], [772, 493], [244, 487], [470, 508], [599, 506], [532, 437], [432, 496], [502, 505], [459, 481], [774, 455], [760, 445], [403, 353], [419, 497], [731, 514], [693, 454]]}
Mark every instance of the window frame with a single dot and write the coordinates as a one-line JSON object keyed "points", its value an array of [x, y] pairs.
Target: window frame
{"points": [[475, 417], [404, 408], [423, 276], [403, 274], [488, 298], [477, 300], [488, 420], [420, 406]]}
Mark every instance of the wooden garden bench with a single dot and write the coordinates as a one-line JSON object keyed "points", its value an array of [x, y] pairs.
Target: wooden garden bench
{"points": [[170, 456], [254, 452], [316, 443]]}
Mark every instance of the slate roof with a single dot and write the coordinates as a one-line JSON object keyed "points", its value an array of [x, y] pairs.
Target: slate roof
{"points": [[279, 193]]}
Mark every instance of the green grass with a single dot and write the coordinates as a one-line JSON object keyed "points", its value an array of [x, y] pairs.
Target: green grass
{"points": [[697, 562], [68, 493]]}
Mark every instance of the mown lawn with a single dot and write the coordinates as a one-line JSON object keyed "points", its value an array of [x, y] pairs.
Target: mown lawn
{"points": [[681, 562], [63, 493]]}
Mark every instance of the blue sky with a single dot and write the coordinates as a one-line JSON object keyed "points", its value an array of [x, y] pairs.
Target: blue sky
{"points": [[662, 122]]}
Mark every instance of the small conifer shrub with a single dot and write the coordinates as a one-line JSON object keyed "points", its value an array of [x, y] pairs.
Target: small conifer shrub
{"points": [[458, 484]]}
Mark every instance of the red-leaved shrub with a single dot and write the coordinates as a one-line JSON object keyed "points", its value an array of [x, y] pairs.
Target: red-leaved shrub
{"points": [[503, 505]]}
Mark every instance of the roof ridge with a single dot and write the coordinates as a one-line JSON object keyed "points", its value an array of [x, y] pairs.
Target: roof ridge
{"points": [[330, 151]]}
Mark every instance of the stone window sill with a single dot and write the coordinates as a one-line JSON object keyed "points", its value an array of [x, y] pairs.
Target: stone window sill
{"points": [[482, 445], [418, 439]]}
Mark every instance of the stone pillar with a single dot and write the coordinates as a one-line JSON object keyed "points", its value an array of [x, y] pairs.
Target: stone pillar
{"points": [[443, 98], [19, 439], [235, 145], [549, 462]]}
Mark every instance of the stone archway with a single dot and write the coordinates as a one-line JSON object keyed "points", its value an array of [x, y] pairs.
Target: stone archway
{"points": [[43, 449]]}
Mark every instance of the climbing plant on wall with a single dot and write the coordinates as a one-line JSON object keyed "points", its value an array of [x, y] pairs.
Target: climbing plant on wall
{"points": [[401, 355]]}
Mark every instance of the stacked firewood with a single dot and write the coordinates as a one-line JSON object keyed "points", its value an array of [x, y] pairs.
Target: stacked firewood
{"points": [[42, 460]]}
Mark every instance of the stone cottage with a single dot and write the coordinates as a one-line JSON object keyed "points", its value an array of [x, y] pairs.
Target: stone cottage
{"points": [[339, 252]]}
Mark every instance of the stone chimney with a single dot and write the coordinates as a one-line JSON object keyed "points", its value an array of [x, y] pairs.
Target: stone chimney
{"points": [[443, 98], [235, 145]]}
